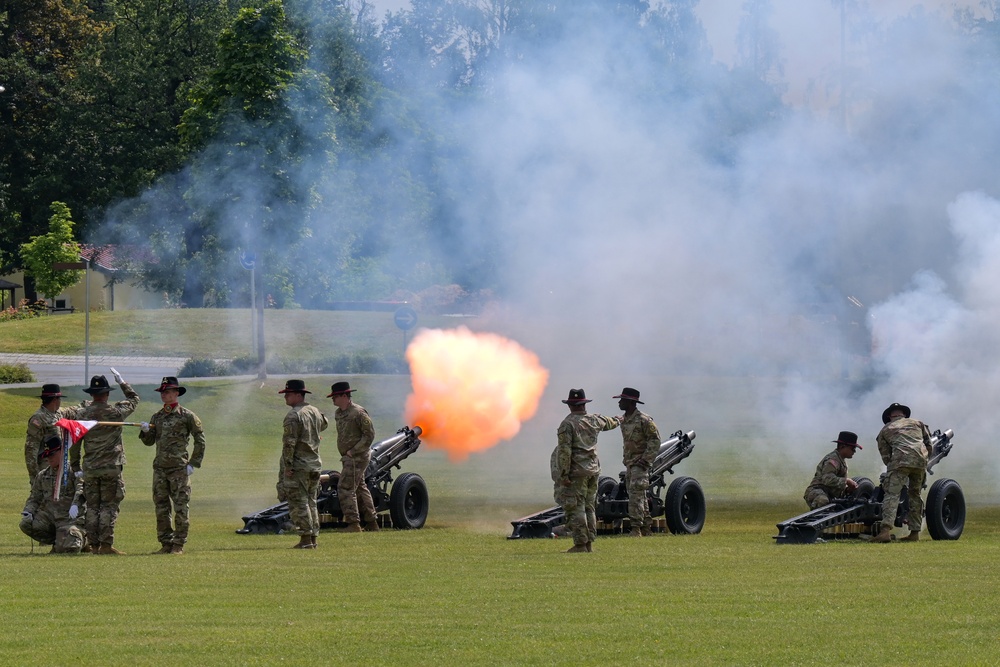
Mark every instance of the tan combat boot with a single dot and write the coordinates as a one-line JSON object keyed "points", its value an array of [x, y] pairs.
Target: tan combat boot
{"points": [[108, 550], [884, 536], [646, 531], [590, 547], [371, 526], [164, 549], [350, 528], [312, 538], [305, 542], [635, 532], [577, 549], [177, 550], [914, 536]]}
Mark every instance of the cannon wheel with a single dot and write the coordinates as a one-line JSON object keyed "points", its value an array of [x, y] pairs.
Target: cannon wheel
{"points": [[408, 501], [865, 490], [607, 488], [330, 485], [685, 506], [945, 510]]}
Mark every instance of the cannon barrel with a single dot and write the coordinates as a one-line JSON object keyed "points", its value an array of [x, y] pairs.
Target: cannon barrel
{"points": [[391, 451], [940, 447], [676, 449]]}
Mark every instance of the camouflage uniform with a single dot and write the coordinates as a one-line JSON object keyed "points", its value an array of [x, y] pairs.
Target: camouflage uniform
{"points": [[50, 522], [41, 425], [355, 434], [170, 430], [103, 459], [300, 456], [830, 481], [905, 445], [575, 469], [641, 444]]}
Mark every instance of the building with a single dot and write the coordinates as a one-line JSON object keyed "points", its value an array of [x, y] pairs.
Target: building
{"points": [[108, 290]]}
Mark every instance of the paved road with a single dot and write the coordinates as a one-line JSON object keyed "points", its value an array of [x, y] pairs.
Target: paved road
{"points": [[71, 369]]}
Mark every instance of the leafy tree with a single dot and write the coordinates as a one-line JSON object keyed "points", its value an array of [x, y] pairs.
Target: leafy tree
{"points": [[43, 46], [39, 254]]}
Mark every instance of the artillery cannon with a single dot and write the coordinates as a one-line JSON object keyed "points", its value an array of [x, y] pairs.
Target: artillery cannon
{"points": [[405, 500], [860, 514], [683, 506]]}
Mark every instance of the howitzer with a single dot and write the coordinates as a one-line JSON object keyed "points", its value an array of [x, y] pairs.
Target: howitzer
{"points": [[683, 507], [405, 500], [860, 514]]}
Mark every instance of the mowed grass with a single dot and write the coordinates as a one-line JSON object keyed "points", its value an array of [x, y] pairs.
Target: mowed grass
{"points": [[457, 592], [211, 332]]}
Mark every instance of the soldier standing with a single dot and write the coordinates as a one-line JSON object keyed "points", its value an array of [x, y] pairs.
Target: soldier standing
{"points": [[575, 468], [355, 434], [103, 460], [170, 429], [300, 464], [55, 522], [831, 480], [641, 444], [43, 424], [905, 445]]}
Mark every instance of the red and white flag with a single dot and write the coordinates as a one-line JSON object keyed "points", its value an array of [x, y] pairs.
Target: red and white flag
{"points": [[76, 429]]}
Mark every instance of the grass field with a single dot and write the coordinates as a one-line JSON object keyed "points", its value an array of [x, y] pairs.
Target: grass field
{"points": [[457, 592]]}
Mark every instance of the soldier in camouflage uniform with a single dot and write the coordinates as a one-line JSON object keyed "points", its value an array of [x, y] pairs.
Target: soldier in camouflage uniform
{"points": [[575, 468], [103, 459], [355, 434], [641, 444], [905, 446], [831, 480], [300, 465], [170, 429], [55, 522], [43, 424]]}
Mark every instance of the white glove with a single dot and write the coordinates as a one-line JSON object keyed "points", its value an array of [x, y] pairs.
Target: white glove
{"points": [[78, 474], [190, 470], [74, 511], [118, 376], [26, 515], [144, 426]]}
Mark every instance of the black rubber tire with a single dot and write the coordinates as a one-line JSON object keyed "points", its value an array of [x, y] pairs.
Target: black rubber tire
{"points": [[865, 490], [945, 510], [685, 506], [408, 502], [607, 488]]}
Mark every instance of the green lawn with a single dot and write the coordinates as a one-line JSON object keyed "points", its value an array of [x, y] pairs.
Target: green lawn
{"points": [[210, 332], [459, 593]]}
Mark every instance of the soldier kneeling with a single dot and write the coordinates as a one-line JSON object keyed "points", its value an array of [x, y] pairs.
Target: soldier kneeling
{"points": [[55, 522], [831, 480]]}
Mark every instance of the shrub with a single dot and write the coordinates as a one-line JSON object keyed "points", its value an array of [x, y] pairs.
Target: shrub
{"points": [[203, 368], [15, 374], [24, 311]]}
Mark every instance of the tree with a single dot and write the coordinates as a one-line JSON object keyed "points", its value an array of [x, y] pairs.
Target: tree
{"points": [[39, 254], [43, 46]]}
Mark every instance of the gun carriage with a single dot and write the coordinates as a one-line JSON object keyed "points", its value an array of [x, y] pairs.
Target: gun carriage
{"points": [[401, 504], [860, 514], [682, 508]]}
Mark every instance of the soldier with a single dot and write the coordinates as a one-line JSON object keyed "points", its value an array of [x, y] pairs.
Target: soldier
{"points": [[170, 429], [355, 434], [831, 480], [55, 522], [640, 445], [905, 445], [575, 468], [103, 459], [300, 465], [43, 424]]}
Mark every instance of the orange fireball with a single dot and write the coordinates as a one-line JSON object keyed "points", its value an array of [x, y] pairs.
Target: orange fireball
{"points": [[470, 390]]}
